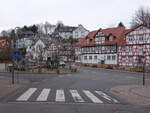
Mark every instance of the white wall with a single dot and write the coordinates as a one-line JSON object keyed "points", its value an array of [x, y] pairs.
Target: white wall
{"points": [[111, 60], [80, 32], [100, 57]]}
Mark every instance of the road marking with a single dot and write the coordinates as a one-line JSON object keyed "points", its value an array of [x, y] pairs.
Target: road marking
{"points": [[27, 94], [76, 96], [60, 96], [92, 97], [44, 95], [115, 101], [106, 96]]}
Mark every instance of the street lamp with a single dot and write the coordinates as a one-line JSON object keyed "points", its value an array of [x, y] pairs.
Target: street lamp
{"points": [[14, 48], [144, 64]]}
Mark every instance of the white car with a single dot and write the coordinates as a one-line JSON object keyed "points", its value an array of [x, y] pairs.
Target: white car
{"points": [[62, 63]]}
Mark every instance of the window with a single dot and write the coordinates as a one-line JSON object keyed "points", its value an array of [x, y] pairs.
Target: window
{"points": [[97, 40], [108, 57], [95, 57], [90, 57], [85, 57], [130, 38], [129, 49], [130, 59], [103, 39], [141, 38], [124, 59], [78, 58], [111, 38], [113, 57]]}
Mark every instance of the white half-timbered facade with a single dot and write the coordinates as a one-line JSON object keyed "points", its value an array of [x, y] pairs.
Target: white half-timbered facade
{"points": [[135, 50], [99, 54], [100, 46]]}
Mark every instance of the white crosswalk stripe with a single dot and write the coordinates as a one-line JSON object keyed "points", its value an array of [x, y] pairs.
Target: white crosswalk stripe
{"points": [[27, 94], [44, 95], [92, 96], [76, 96], [60, 96], [103, 95], [106, 96]]}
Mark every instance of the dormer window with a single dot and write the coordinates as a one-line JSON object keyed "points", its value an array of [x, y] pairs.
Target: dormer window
{"points": [[100, 38], [111, 38]]}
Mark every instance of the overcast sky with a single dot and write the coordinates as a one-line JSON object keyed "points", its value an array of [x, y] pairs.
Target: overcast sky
{"points": [[93, 14]]}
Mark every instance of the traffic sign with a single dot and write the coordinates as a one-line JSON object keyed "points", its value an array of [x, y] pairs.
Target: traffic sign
{"points": [[17, 54]]}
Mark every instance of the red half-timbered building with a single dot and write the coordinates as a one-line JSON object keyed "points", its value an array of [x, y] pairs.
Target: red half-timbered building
{"points": [[135, 48]]}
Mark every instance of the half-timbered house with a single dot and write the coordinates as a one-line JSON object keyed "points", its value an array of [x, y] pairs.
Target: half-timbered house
{"points": [[101, 46], [135, 48]]}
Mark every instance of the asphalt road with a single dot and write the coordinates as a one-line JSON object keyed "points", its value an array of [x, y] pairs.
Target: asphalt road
{"points": [[83, 92]]}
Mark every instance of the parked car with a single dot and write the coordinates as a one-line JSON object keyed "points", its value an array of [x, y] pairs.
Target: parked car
{"points": [[62, 63]]}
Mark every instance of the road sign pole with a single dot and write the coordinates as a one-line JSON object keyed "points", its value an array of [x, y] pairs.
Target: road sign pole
{"points": [[13, 75], [144, 74], [144, 65]]}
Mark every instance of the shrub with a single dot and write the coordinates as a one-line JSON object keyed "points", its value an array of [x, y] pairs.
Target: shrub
{"points": [[109, 67], [94, 65]]}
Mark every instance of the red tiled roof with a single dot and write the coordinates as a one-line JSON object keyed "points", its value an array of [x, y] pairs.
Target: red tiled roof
{"points": [[80, 41], [118, 32], [130, 30], [122, 41], [89, 40], [85, 42], [91, 34]]}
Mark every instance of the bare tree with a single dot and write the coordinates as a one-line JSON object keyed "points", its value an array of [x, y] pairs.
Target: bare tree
{"points": [[40, 56], [40, 28], [46, 27], [142, 16]]}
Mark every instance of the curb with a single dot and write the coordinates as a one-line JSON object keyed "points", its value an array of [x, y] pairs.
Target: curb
{"points": [[129, 95], [118, 70], [132, 91], [6, 97]]}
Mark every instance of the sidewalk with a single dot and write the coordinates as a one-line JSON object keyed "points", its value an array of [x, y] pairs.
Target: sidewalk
{"points": [[6, 87], [135, 94]]}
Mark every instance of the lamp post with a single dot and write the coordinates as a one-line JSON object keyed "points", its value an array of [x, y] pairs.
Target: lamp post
{"points": [[144, 64], [14, 48]]}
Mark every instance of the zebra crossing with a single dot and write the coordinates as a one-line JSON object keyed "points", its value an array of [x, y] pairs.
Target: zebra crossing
{"points": [[61, 95], [44, 95]]}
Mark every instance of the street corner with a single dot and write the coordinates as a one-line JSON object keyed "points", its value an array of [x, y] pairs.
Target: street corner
{"points": [[133, 94], [7, 88]]}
